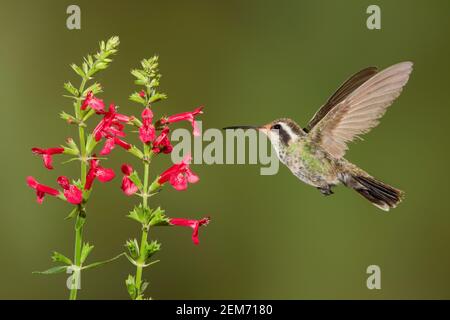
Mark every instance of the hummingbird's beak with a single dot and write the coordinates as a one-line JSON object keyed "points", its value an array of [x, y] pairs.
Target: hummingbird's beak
{"points": [[241, 127]]}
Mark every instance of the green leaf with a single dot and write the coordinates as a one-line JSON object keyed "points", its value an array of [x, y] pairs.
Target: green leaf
{"points": [[90, 144], [78, 70], [68, 117], [58, 257], [72, 147], [136, 180], [131, 286], [137, 98], [71, 89], [139, 74], [77, 183], [136, 152], [88, 114], [151, 248], [85, 68], [133, 248], [144, 286], [100, 263], [158, 218], [140, 214], [54, 270], [85, 251], [136, 263], [72, 213], [112, 43], [94, 88], [80, 222], [157, 97]]}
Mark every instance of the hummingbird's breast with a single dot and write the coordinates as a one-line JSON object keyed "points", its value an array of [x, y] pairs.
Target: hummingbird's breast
{"points": [[310, 163]]}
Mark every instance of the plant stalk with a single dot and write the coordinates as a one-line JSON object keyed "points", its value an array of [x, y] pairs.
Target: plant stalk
{"points": [[81, 215], [144, 236]]}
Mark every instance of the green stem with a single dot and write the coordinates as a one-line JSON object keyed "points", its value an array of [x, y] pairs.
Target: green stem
{"points": [[141, 261], [81, 215], [77, 256], [144, 236], [83, 154]]}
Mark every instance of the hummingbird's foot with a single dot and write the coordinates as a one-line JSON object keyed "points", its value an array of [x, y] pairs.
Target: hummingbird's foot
{"points": [[326, 191]]}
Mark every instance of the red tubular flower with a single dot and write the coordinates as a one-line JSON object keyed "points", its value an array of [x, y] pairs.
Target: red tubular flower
{"points": [[142, 94], [110, 125], [194, 224], [41, 190], [96, 171], [188, 116], [128, 186], [47, 155], [93, 102], [162, 142], [111, 143], [179, 175], [71, 192], [147, 130]]}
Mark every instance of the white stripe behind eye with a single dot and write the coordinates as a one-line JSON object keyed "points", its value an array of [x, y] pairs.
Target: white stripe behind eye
{"points": [[288, 130]]}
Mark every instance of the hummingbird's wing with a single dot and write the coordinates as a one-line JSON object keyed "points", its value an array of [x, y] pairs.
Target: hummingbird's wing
{"points": [[350, 85], [359, 111]]}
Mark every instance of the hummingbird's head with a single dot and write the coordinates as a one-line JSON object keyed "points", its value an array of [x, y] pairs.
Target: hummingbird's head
{"points": [[281, 132]]}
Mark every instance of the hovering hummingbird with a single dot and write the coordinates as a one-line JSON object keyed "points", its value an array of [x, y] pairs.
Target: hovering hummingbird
{"points": [[315, 154]]}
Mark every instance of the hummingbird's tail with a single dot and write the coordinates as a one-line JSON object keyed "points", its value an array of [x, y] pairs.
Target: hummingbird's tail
{"points": [[380, 194]]}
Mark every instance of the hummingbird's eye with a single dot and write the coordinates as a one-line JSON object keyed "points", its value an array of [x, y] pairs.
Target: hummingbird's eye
{"points": [[276, 127]]}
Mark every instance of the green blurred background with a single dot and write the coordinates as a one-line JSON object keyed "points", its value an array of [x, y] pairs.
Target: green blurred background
{"points": [[248, 62]]}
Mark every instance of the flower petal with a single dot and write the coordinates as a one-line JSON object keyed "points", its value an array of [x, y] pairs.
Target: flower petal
{"points": [[32, 183], [193, 224], [179, 182], [104, 174], [191, 176], [108, 146], [126, 169], [63, 182], [147, 133], [73, 195], [128, 187], [47, 161]]}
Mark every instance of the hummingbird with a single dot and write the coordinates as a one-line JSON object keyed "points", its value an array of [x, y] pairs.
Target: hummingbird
{"points": [[315, 153]]}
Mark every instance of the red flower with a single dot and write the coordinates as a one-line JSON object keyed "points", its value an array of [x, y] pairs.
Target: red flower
{"points": [[142, 94], [71, 192], [162, 142], [147, 130], [47, 155], [188, 116], [128, 186], [41, 190], [93, 102], [110, 125], [179, 175], [96, 171], [194, 224], [111, 143]]}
